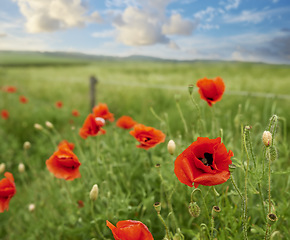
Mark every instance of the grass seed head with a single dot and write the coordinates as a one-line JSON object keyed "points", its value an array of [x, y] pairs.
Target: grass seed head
{"points": [[37, 126], [49, 124], [26, 145], [171, 147], [21, 168]]}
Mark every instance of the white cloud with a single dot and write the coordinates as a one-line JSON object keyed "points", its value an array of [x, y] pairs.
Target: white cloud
{"points": [[232, 4], [178, 26], [137, 27], [173, 45], [208, 26], [3, 35], [53, 15], [209, 13]]}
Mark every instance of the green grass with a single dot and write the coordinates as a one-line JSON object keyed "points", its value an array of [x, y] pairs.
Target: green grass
{"points": [[128, 181]]}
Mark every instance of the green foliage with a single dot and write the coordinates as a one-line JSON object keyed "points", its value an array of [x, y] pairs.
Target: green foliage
{"points": [[129, 183]]}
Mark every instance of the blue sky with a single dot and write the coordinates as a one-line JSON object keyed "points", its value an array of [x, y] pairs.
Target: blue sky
{"points": [[243, 30]]}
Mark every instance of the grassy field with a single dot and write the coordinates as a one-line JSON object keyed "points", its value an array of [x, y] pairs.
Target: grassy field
{"points": [[151, 92]]}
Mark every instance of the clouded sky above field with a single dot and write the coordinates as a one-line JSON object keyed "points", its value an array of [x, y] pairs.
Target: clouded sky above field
{"points": [[245, 30]]}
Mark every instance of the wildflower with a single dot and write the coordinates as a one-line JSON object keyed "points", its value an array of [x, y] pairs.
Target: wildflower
{"points": [[125, 122], [267, 138], [2, 167], [21, 168], [10, 89], [37, 126], [75, 113], [94, 193], [7, 191], [59, 104], [23, 99], [4, 114], [92, 126], [80, 204], [211, 90], [31, 207], [64, 164], [206, 162], [49, 124], [147, 136], [171, 147], [101, 110], [26, 145], [65, 143], [130, 230]]}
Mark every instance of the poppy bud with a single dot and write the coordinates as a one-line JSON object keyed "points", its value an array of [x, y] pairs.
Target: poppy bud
{"points": [[271, 218], [215, 210], [194, 209], [37, 126], [2, 167], [267, 138], [49, 124], [232, 167], [273, 153], [171, 147], [31, 207], [26, 145], [190, 88], [21, 168], [157, 207], [94, 193]]}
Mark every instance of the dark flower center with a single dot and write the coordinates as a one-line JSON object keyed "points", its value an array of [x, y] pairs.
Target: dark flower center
{"points": [[147, 139], [207, 160], [211, 99]]}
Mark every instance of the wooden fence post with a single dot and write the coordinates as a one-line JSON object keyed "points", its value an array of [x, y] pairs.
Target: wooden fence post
{"points": [[93, 82]]}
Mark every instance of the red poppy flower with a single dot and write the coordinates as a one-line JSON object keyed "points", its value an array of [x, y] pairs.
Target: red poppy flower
{"points": [[64, 164], [92, 126], [125, 122], [7, 191], [130, 230], [211, 90], [10, 89], [59, 104], [65, 143], [147, 136], [23, 99], [206, 162], [4, 114], [102, 111], [75, 113]]}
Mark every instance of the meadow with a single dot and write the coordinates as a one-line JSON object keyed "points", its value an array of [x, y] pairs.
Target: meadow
{"points": [[154, 93]]}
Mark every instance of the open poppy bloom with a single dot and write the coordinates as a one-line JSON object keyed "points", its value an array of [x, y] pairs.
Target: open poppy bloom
{"points": [[206, 162], [130, 230], [75, 113], [59, 104], [92, 126], [211, 90], [147, 136], [23, 99], [7, 191], [102, 111], [66, 144], [125, 122], [4, 114], [10, 89], [64, 164]]}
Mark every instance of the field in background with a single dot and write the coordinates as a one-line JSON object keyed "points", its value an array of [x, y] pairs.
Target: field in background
{"points": [[135, 88]]}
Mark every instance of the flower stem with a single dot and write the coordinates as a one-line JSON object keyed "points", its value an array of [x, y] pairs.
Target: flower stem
{"points": [[164, 224], [182, 118]]}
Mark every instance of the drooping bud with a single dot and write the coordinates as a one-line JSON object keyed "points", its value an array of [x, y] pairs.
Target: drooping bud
{"points": [[37, 126], [171, 147], [267, 138], [2, 167], [26, 145], [94, 193], [157, 207], [21, 168], [194, 209], [273, 153], [190, 88], [49, 124], [31, 207], [271, 218]]}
